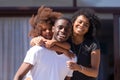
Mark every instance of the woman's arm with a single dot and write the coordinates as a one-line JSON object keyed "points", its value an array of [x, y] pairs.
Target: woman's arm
{"points": [[24, 68], [89, 71]]}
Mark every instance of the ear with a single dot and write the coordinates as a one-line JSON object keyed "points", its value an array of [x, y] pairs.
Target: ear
{"points": [[53, 29]]}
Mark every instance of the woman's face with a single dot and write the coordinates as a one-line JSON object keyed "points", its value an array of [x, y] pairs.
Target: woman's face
{"points": [[81, 25]]}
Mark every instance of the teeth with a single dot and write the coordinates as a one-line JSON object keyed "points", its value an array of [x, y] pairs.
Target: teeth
{"points": [[78, 28], [62, 36]]}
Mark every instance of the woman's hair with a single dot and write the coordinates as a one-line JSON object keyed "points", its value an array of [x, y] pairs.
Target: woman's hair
{"points": [[45, 16], [93, 19]]}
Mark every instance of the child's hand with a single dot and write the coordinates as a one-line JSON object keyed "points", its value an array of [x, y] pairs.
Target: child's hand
{"points": [[37, 41], [49, 43]]}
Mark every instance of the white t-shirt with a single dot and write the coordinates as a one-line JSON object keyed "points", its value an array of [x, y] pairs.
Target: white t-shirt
{"points": [[48, 65]]}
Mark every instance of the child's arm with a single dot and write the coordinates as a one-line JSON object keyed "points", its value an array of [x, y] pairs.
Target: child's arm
{"points": [[60, 47], [37, 41], [62, 50], [41, 40], [64, 45]]}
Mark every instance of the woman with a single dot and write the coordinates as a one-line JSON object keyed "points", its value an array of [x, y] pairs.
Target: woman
{"points": [[84, 45]]}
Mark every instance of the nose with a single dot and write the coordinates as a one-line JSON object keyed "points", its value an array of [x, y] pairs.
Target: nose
{"points": [[82, 24], [63, 30], [47, 31]]}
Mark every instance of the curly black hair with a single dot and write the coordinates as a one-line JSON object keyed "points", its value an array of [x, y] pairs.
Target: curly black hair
{"points": [[93, 19]]}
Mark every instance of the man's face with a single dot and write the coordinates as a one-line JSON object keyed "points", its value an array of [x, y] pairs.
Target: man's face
{"points": [[62, 30]]}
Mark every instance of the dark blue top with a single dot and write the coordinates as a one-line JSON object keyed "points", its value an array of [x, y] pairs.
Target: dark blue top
{"points": [[83, 53]]}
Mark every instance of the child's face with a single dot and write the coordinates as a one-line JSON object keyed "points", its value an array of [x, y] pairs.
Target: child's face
{"points": [[46, 31]]}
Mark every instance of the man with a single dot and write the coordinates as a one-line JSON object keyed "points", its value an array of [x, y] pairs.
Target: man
{"points": [[41, 63]]}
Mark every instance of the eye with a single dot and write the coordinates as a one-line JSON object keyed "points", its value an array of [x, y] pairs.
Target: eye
{"points": [[43, 29], [79, 22], [60, 26], [86, 24]]}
